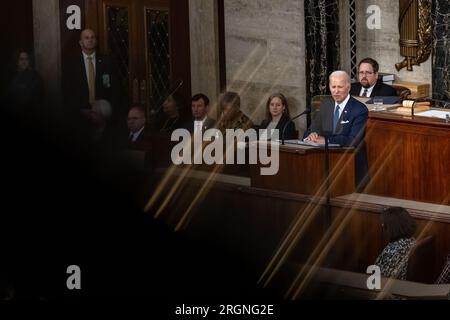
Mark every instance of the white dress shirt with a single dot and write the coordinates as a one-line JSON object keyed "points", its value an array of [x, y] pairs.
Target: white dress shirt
{"points": [[198, 125], [136, 134], [369, 91], [341, 106]]}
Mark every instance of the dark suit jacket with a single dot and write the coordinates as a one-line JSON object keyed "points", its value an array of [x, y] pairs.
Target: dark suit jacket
{"points": [[142, 137], [289, 133], [380, 89], [76, 94], [208, 124], [350, 132], [75, 84]]}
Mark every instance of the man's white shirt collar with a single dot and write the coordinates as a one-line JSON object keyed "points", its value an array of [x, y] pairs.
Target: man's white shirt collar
{"points": [[136, 134], [341, 105], [85, 55], [369, 90]]}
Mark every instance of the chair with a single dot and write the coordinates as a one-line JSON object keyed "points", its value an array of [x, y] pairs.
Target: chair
{"points": [[419, 261], [316, 103], [402, 92]]}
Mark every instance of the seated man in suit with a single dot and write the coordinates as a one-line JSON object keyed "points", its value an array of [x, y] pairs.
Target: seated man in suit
{"points": [[344, 122], [136, 125], [200, 121], [368, 85]]}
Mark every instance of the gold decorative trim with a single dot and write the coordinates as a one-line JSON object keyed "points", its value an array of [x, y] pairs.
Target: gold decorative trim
{"points": [[415, 22]]}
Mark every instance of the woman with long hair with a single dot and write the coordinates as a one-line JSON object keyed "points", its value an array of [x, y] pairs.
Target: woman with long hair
{"points": [[174, 110], [24, 93], [398, 229], [278, 118]]}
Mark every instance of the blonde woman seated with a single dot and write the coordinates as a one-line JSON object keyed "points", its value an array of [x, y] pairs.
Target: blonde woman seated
{"points": [[230, 115], [398, 229], [277, 117]]}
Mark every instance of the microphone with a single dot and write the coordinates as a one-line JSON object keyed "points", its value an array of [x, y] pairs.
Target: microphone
{"points": [[307, 111], [178, 86]]}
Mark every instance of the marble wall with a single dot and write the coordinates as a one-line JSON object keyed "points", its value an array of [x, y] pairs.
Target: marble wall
{"points": [[322, 44], [203, 24], [441, 57], [382, 44], [265, 53], [47, 46]]}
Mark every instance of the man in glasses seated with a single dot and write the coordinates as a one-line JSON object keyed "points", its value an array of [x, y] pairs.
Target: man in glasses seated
{"points": [[368, 85]]}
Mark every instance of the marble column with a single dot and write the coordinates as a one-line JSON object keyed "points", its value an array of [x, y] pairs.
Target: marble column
{"points": [[265, 53], [441, 56], [204, 37], [47, 47]]}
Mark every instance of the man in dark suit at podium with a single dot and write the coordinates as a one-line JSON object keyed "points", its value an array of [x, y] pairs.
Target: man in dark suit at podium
{"points": [[368, 85], [344, 122]]}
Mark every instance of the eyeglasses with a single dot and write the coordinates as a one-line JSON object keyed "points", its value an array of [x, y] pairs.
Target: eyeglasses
{"points": [[365, 73]]}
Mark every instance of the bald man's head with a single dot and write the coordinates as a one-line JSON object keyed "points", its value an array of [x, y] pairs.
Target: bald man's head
{"points": [[339, 85], [88, 41]]}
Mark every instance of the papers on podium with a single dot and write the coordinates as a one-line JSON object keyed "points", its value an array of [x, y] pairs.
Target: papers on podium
{"points": [[310, 143], [434, 114]]}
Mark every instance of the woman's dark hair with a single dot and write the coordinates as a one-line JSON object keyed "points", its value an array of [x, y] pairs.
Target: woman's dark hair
{"points": [[16, 55], [397, 223], [283, 101], [180, 101], [231, 98], [184, 110]]}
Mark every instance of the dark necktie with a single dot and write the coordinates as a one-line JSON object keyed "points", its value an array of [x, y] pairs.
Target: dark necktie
{"points": [[365, 92], [336, 118]]}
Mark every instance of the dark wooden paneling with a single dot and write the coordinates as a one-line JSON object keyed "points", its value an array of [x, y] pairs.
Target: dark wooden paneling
{"points": [[303, 171], [409, 158], [222, 53], [180, 45], [91, 14], [258, 224], [137, 60], [17, 33]]}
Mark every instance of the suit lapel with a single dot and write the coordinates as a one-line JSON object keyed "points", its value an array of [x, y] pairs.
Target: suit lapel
{"points": [[98, 71], [359, 89], [344, 115], [375, 91], [207, 124], [84, 78]]}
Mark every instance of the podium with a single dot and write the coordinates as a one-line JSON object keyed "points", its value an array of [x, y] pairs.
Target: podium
{"points": [[302, 171]]}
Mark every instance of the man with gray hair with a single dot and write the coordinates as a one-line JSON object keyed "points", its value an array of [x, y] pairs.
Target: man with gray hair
{"points": [[343, 122], [137, 131]]}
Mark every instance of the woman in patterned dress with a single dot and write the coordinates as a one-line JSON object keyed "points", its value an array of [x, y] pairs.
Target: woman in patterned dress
{"points": [[398, 228]]}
